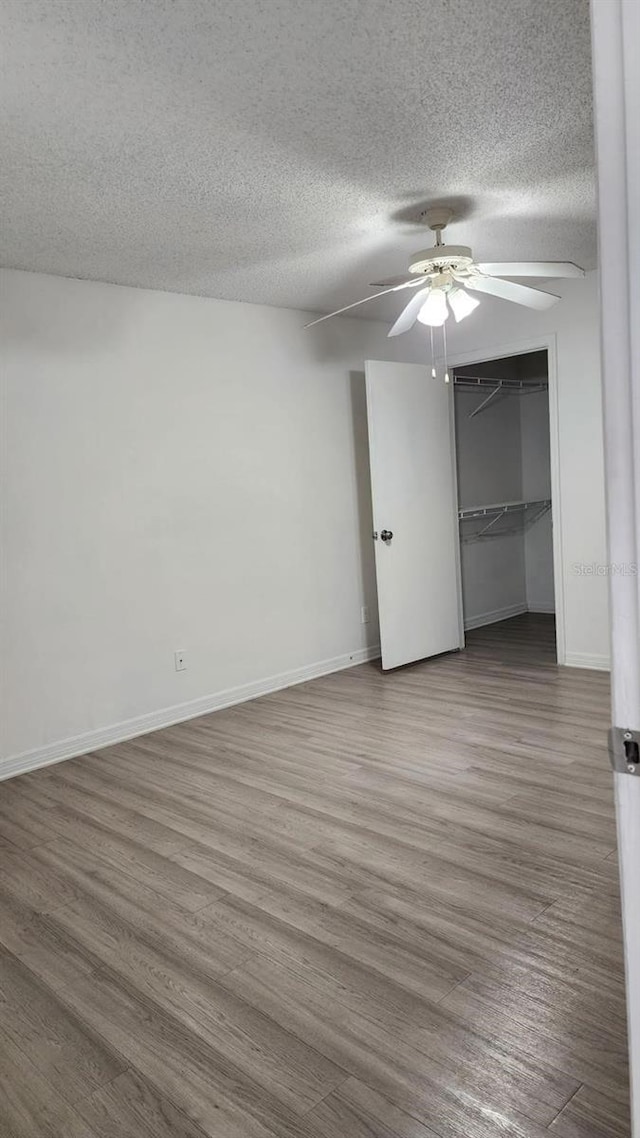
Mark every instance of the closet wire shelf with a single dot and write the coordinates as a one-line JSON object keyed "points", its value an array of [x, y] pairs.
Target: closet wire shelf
{"points": [[497, 387], [490, 519]]}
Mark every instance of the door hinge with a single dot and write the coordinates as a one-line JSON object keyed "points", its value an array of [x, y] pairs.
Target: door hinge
{"points": [[624, 750]]}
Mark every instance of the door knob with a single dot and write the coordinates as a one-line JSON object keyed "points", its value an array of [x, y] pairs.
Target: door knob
{"points": [[386, 535]]}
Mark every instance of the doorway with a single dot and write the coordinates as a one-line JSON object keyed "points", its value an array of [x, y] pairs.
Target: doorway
{"points": [[507, 492], [504, 488]]}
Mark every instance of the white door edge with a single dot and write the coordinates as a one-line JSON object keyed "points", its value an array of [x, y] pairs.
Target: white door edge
{"points": [[615, 39]]}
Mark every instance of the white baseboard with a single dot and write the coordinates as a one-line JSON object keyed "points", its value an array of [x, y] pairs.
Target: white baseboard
{"points": [[494, 616], [587, 660], [179, 713], [549, 610]]}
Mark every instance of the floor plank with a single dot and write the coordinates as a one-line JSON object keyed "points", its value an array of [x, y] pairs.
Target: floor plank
{"points": [[71, 1055], [357, 1111], [130, 1107], [590, 1114], [29, 1104]]}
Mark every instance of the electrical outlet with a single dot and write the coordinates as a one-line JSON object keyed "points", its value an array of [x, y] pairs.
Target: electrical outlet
{"points": [[180, 660], [364, 614]]}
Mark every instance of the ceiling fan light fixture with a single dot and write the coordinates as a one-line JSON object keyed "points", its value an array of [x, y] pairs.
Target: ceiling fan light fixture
{"points": [[461, 303], [434, 310]]}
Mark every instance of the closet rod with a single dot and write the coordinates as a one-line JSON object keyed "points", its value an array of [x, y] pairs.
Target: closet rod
{"points": [[497, 387], [517, 385], [523, 513], [501, 507]]}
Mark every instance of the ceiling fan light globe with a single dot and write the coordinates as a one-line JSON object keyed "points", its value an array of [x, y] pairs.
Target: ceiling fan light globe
{"points": [[434, 310], [461, 303]]}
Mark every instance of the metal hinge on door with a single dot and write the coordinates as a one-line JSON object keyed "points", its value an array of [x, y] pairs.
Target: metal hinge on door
{"points": [[624, 750]]}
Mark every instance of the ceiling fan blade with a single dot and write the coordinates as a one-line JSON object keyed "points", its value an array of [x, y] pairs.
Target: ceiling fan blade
{"points": [[531, 269], [394, 282], [409, 314], [374, 296], [509, 290]]}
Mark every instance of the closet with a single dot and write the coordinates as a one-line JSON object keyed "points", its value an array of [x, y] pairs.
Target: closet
{"points": [[501, 413]]}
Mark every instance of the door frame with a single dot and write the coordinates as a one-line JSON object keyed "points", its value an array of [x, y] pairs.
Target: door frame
{"points": [[547, 343]]}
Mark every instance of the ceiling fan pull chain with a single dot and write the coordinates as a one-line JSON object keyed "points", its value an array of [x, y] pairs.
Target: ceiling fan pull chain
{"points": [[433, 364], [444, 345]]}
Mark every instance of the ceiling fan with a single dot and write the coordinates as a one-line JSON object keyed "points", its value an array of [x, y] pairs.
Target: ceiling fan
{"points": [[449, 276]]}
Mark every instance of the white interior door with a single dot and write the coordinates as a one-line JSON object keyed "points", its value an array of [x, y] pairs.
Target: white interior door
{"points": [[615, 38], [413, 490]]}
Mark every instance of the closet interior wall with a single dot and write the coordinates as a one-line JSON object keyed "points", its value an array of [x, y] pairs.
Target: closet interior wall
{"points": [[503, 455]]}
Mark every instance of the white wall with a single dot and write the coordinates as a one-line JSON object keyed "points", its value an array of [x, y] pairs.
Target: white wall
{"points": [[489, 465], [572, 327], [180, 473]]}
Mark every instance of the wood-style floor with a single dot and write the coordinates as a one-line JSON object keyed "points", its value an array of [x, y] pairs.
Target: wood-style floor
{"points": [[381, 906]]}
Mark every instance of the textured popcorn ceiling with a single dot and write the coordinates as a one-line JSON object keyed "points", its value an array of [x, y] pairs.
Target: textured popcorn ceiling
{"points": [[277, 150]]}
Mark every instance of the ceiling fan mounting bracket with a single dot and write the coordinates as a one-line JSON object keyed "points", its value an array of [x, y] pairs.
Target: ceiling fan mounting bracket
{"points": [[437, 217], [441, 257]]}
